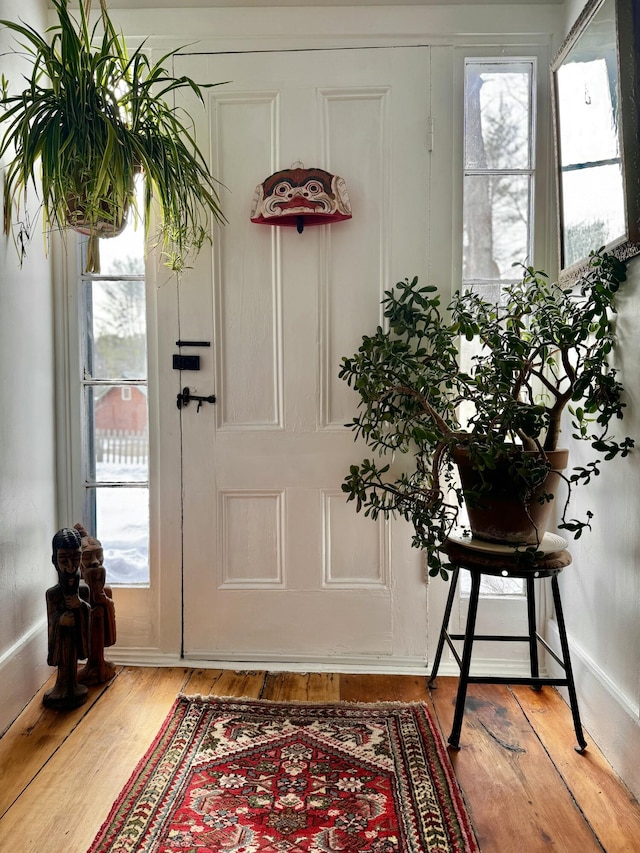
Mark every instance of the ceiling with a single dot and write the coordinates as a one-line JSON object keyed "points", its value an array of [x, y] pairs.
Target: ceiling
{"points": [[204, 4]]}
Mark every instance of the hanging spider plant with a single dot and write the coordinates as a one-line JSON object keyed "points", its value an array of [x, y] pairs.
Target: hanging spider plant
{"points": [[91, 118]]}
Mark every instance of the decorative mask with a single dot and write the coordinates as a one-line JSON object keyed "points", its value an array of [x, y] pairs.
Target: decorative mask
{"points": [[300, 197]]}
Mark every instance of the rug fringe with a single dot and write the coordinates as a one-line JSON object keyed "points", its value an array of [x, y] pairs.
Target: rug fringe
{"points": [[199, 697]]}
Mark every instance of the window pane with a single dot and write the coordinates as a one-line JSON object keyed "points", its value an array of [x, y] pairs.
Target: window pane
{"points": [[119, 425], [593, 210], [496, 225], [122, 525], [124, 255], [492, 585], [115, 409], [497, 116], [587, 95], [117, 339], [491, 291]]}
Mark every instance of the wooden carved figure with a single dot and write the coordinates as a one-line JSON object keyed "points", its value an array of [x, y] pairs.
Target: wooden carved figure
{"points": [[97, 670], [68, 618]]}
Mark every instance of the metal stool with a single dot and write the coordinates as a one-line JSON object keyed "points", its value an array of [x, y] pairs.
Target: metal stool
{"points": [[486, 558]]}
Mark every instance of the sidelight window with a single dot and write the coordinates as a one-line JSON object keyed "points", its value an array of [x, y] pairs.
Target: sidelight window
{"points": [[498, 171], [498, 194], [115, 407]]}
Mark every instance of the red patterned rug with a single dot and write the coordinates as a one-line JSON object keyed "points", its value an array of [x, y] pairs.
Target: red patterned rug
{"points": [[242, 776]]}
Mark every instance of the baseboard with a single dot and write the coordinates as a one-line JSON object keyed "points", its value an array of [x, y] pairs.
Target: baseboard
{"points": [[142, 656], [610, 718], [290, 663], [353, 664], [487, 667], [23, 671]]}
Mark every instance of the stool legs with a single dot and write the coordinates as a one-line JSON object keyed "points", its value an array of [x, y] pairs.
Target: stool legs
{"points": [[469, 636], [533, 628], [453, 583], [564, 645], [454, 737]]}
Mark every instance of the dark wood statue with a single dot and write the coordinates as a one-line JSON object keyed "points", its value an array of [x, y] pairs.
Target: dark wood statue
{"points": [[97, 670], [68, 616]]}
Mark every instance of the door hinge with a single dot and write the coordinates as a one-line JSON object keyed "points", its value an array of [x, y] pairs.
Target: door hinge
{"points": [[430, 133]]}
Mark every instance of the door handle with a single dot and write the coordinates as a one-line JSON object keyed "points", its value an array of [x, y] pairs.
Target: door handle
{"points": [[185, 396]]}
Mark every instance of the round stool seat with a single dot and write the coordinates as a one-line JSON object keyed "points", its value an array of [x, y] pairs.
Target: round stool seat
{"points": [[491, 558]]}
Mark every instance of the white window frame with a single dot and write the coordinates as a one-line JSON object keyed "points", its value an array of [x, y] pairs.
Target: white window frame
{"points": [[508, 611], [530, 172], [91, 484], [498, 587], [138, 608]]}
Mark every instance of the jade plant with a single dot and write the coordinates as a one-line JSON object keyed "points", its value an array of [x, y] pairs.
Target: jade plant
{"points": [[539, 358], [92, 118]]}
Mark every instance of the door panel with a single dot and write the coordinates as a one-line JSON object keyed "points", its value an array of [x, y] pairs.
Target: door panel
{"points": [[276, 564]]}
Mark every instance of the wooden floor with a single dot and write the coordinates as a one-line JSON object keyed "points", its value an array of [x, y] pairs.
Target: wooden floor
{"points": [[526, 788]]}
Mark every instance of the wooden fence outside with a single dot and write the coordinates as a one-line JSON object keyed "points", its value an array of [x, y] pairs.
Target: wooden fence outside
{"points": [[121, 447]]}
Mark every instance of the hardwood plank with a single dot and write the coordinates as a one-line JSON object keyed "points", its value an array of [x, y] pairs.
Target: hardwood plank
{"points": [[33, 738], [65, 804], [226, 682], [302, 687], [517, 768], [384, 688], [611, 809], [201, 681], [247, 684], [516, 800]]}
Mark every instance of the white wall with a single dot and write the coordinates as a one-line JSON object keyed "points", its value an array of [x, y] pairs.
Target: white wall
{"points": [[27, 471], [601, 590]]}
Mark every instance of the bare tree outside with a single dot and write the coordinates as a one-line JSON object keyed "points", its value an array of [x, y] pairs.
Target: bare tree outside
{"points": [[498, 169], [119, 324], [478, 223]]}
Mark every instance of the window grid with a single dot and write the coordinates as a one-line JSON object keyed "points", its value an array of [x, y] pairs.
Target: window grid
{"points": [[498, 195], [114, 407], [499, 171]]}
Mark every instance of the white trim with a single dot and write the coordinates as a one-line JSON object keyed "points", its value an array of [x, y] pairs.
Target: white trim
{"points": [[241, 29], [68, 419], [23, 671], [609, 716], [347, 664], [137, 607], [150, 657], [18, 647], [320, 663]]}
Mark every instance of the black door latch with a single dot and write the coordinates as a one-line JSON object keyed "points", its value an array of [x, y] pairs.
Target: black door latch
{"points": [[185, 396]]}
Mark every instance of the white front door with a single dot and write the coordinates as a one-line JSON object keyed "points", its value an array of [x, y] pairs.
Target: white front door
{"points": [[277, 566]]}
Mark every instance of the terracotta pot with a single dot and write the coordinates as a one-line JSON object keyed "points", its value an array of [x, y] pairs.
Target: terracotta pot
{"points": [[501, 515]]}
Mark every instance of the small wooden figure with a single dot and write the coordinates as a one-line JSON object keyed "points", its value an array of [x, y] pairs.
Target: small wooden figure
{"points": [[97, 670], [68, 618]]}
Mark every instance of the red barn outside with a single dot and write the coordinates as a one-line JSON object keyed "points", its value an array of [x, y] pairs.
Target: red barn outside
{"points": [[121, 425]]}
